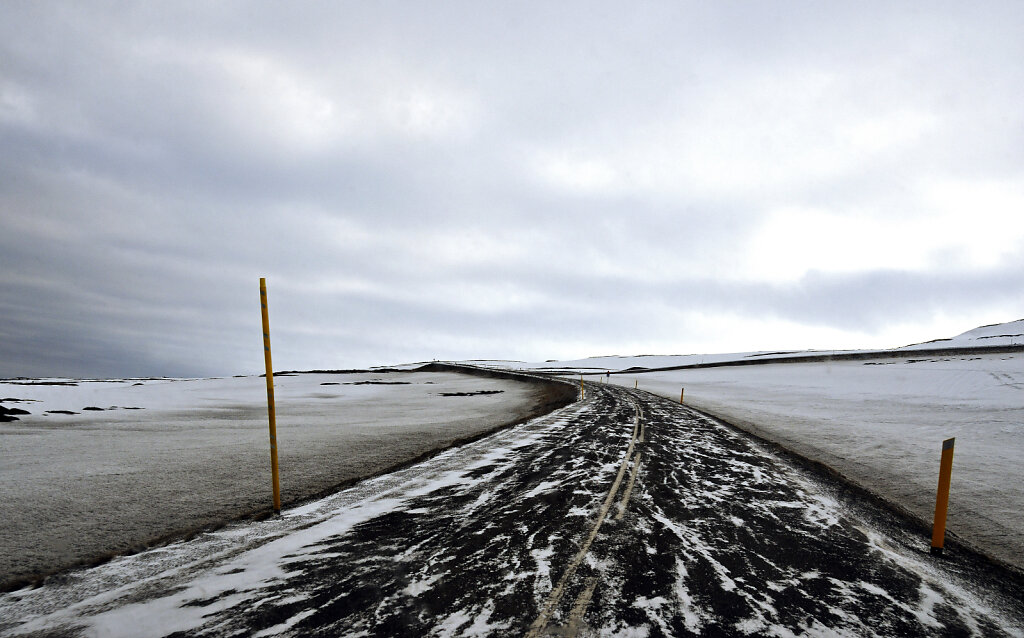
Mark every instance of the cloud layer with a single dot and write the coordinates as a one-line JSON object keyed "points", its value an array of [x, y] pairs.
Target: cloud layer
{"points": [[531, 181]]}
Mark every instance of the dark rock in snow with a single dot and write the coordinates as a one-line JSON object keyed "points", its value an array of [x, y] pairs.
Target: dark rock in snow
{"points": [[470, 394], [7, 414]]}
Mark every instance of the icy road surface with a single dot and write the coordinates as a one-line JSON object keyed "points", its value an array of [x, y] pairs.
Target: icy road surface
{"points": [[625, 514]]}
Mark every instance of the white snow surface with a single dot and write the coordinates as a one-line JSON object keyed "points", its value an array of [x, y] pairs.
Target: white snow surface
{"points": [[169, 455], [879, 422]]}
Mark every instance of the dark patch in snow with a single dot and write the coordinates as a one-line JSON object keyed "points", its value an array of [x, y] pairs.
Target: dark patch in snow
{"points": [[60, 412], [67, 383], [470, 394], [203, 602], [7, 415], [375, 382]]}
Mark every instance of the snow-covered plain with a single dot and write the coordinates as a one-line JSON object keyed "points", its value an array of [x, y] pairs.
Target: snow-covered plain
{"points": [[164, 456], [880, 421]]}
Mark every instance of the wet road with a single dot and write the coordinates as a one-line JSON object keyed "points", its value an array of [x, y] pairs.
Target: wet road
{"points": [[624, 514]]}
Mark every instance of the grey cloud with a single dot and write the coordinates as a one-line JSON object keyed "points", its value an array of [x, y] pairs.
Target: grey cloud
{"points": [[146, 182]]}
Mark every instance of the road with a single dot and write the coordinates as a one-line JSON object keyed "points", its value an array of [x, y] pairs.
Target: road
{"points": [[623, 514]]}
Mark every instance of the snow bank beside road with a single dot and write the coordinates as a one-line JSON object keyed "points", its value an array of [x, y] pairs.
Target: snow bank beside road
{"points": [[162, 456]]}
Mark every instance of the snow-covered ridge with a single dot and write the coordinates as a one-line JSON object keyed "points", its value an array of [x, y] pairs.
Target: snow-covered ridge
{"points": [[1011, 332], [994, 336]]}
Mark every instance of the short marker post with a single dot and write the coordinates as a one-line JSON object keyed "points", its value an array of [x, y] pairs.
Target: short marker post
{"points": [[583, 393], [270, 396], [942, 497], [636, 384], [681, 390]]}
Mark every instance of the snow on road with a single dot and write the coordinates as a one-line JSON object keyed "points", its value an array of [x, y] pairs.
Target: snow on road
{"points": [[878, 421], [624, 514]]}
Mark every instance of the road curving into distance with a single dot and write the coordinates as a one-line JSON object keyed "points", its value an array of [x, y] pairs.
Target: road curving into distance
{"points": [[625, 513]]}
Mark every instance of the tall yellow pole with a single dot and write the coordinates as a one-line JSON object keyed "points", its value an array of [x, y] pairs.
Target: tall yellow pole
{"points": [[270, 396], [942, 497], [583, 394]]}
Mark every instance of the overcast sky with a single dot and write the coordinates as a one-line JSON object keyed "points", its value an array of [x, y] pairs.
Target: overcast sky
{"points": [[521, 180]]}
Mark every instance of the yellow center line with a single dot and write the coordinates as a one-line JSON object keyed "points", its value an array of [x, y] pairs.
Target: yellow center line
{"points": [[556, 594]]}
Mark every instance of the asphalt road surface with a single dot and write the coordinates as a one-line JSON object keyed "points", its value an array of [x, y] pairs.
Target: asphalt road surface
{"points": [[624, 514]]}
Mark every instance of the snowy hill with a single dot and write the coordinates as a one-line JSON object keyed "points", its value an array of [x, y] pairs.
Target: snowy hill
{"points": [[999, 335]]}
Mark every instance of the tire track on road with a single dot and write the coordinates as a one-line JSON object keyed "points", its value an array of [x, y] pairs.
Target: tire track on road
{"points": [[540, 625]]}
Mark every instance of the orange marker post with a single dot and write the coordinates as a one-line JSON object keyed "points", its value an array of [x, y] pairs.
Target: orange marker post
{"points": [[270, 396], [942, 497], [681, 391], [583, 394]]}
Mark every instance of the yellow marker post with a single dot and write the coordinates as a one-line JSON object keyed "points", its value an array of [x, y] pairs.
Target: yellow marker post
{"points": [[582, 391], [270, 396], [942, 497], [681, 390], [636, 384]]}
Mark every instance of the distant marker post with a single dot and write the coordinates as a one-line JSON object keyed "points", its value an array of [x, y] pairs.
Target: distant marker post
{"points": [[582, 391], [270, 396], [942, 497], [681, 391]]}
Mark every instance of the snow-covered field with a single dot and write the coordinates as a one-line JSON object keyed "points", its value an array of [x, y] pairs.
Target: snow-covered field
{"points": [[162, 456], [880, 422]]}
